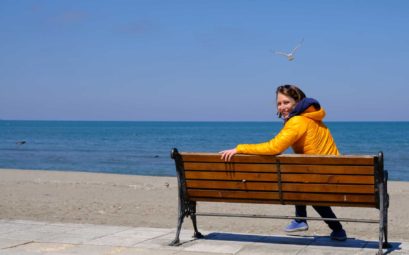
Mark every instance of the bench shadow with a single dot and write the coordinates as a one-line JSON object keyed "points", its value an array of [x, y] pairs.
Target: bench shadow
{"points": [[313, 240]]}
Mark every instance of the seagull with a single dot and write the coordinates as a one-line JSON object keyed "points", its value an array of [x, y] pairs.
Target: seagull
{"points": [[290, 56]]}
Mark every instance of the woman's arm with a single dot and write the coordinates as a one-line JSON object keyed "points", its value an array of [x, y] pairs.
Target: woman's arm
{"points": [[289, 134]]}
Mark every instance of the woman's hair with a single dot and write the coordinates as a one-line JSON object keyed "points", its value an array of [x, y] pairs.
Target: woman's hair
{"points": [[291, 91]]}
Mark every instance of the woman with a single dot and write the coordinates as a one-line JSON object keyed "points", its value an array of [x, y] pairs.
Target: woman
{"points": [[304, 131]]}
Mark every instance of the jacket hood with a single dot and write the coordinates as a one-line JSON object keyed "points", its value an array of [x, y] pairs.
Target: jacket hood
{"points": [[310, 108]]}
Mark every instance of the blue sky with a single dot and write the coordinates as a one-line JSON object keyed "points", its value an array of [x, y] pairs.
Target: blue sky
{"points": [[201, 60]]}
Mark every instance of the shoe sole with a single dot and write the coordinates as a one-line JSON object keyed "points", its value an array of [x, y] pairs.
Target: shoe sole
{"points": [[296, 230]]}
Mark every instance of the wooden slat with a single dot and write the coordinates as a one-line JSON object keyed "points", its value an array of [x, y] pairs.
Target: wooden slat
{"points": [[234, 200], [285, 168], [231, 176], [329, 188], [327, 169], [284, 158], [214, 166], [326, 159], [330, 198], [324, 179], [301, 178], [350, 198], [236, 185], [343, 204], [233, 194], [271, 186], [213, 157]]}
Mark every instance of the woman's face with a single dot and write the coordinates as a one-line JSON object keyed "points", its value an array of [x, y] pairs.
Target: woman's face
{"points": [[285, 105]]}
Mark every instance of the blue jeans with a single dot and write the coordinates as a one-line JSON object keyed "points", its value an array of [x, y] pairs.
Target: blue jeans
{"points": [[323, 211]]}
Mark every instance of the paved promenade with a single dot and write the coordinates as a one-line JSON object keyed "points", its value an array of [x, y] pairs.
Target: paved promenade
{"points": [[30, 237]]}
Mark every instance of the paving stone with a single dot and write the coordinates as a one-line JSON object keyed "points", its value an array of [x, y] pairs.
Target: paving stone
{"points": [[99, 230], [7, 227], [147, 251], [71, 238], [157, 243], [144, 232], [396, 247], [127, 241], [221, 236], [6, 243], [287, 239], [214, 246], [271, 249], [349, 243], [184, 237], [28, 222], [330, 251], [200, 253], [38, 248], [28, 235], [110, 250], [129, 237]]}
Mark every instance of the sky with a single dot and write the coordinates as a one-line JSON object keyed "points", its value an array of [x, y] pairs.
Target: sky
{"points": [[201, 60]]}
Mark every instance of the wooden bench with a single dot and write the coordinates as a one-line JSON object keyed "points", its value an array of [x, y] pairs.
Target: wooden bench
{"points": [[288, 179]]}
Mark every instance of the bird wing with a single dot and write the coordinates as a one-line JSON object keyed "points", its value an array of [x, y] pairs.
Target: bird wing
{"points": [[298, 46], [281, 53]]}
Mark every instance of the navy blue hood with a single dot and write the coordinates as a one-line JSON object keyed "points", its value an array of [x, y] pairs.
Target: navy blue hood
{"points": [[303, 105]]}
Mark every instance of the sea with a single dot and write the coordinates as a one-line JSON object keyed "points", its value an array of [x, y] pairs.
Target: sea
{"points": [[143, 147]]}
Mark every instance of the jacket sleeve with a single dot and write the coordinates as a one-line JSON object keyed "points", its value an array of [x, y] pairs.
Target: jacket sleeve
{"points": [[293, 130]]}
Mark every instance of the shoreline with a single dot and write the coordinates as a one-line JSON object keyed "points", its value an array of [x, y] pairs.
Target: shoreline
{"points": [[151, 201]]}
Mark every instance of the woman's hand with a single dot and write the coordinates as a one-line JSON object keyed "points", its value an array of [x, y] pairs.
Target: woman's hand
{"points": [[228, 154]]}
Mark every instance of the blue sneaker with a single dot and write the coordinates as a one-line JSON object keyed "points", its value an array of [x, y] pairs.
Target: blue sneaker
{"points": [[296, 226], [339, 235]]}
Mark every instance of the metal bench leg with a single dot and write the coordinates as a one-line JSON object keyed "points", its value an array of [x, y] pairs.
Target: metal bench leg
{"points": [[182, 213], [385, 244], [385, 230], [381, 217], [386, 206], [192, 206]]}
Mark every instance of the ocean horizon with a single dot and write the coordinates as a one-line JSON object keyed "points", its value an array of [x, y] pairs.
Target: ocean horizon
{"points": [[143, 147]]}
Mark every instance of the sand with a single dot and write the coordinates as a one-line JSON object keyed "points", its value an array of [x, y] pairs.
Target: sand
{"points": [[148, 201]]}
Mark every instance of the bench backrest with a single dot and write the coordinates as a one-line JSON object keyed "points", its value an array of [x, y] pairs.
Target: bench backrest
{"points": [[347, 180]]}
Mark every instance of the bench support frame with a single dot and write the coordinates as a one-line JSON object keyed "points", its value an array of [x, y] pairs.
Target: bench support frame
{"points": [[383, 205], [186, 207]]}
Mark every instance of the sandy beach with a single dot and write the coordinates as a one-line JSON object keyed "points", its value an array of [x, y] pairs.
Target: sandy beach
{"points": [[147, 201]]}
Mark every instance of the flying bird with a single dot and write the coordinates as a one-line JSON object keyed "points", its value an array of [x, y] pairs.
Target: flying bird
{"points": [[290, 56]]}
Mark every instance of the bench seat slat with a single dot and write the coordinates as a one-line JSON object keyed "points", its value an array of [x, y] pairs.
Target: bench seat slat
{"points": [[284, 168], [302, 178], [273, 186], [283, 159]]}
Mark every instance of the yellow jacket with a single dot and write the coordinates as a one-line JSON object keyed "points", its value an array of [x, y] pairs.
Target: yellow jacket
{"points": [[305, 133]]}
